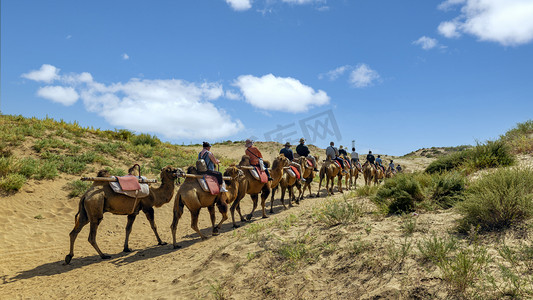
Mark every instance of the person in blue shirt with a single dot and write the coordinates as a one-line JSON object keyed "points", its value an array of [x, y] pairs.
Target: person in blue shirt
{"points": [[288, 154], [210, 162], [379, 162]]}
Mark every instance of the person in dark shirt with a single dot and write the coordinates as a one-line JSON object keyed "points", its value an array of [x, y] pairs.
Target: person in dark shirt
{"points": [[302, 150], [370, 158], [287, 151]]}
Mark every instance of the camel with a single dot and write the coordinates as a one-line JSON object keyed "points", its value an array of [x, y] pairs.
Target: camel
{"points": [[192, 195], [255, 186], [389, 173], [369, 172], [353, 173], [100, 198], [330, 170], [308, 175], [236, 191], [285, 182], [379, 175]]}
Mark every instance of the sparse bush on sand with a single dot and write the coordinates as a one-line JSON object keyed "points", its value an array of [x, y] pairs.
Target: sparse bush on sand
{"points": [[498, 200], [399, 194], [337, 211]]}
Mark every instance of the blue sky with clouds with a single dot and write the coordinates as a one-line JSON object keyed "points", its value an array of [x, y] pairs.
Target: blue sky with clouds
{"points": [[393, 76]]}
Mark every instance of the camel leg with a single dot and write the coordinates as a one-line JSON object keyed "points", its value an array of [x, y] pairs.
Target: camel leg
{"points": [[238, 208], [300, 195], [149, 213], [211, 210], [265, 191], [81, 221], [272, 199], [291, 195], [283, 190], [194, 223], [224, 212], [92, 238], [340, 184], [131, 219], [178, 211], [320, 184], [254, 197]]}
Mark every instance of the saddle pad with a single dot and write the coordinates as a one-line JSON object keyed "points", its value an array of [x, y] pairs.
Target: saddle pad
{"points": [[212, 183], [143, 192], [309, 163], [262, 175], [337, 163], [348, 163], [295, 170], [129, 183]]}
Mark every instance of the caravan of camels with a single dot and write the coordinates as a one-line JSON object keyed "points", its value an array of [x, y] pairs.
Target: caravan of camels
{"points": [[203, 186]]}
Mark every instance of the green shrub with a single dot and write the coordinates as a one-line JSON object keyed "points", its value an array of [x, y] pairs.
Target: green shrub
{"points": [[399, 194], [116, 171], [78, 188], [28, 167], [109, 148], [47, 170], [12, 182], [145, 139], [436, 249], [7, 164], [488, 155], [366, 190], [447, 188], [498, 200], [72, 165]]}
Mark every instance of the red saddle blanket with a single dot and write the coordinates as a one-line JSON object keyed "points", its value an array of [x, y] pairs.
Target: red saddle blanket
{"points": [[129, 183], [348, 163], [295, 170], [262, 175], [337, 163], [212, 183], [309, 163]]}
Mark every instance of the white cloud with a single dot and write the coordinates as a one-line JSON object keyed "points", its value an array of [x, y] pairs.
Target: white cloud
{"points": [[232, 95], [240, 5], [426, 42], [508, 22], [280, 93], [300, 1], [334, 74], [125, 56], [172, 108], [363, 76], [64, 95], [449, 29], [47, 73], [448, 4]]}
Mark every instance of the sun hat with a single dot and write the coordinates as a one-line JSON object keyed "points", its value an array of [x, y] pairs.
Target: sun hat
{"points": [[302, 140], [287, 144], [249, 143]]}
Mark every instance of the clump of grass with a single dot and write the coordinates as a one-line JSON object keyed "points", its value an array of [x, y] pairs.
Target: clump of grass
{"points": [[398, 253], [498, 200], [447, 188], [12, 182], [520, 138], [367, 190], [300, 249], [359, 246], [47, 170], [399, 194], [334, 212], [77, 188], [436, 249], [145, 139], [408, 225], [116, 171]]}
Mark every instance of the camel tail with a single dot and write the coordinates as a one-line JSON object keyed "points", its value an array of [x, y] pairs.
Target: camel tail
{"points": [[82, 213]]}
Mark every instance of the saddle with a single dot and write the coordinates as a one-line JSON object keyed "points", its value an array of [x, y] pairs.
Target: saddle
{"points": [[337, 163], [209, 184], [293, 172], [309, 163], [129, 185], [259, 174]]}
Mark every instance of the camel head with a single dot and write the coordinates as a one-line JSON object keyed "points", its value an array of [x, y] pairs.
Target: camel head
{"points": [[103, 173], [169, 173], [234, 173], [192, 170], [245, 160], [280, 162]]}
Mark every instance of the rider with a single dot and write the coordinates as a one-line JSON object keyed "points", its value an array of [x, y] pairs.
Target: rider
{"points": [[391, 166], [370, 158], [210, 162], [288, 154], [302, 150], [256, 158], [354, 157], [333, 154], [344, 155], [379, 162], [399, 168]]}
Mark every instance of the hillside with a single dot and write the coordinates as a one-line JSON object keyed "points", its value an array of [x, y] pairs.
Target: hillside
{"points": [[337, 247]]}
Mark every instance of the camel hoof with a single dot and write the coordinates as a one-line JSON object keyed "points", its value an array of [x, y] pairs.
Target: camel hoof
{"points": [[162, 243], [265, 217], [271, 211], [177, 246], [215, 233], [126, 250], [248, 217], [68, 258], [236, 226], [105, 256]]}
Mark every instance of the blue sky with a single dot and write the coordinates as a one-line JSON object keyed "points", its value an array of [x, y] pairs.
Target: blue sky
{"points": [[394, 76]]}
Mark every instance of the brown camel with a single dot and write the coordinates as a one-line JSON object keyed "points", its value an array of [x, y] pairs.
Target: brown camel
{"points": [[100, 198], [192, 195], [369, 172], [285, 182], [379, 175], [308, 175], [389, 173], [236, 191], [256, 186], [353, 173], [330, 170]]}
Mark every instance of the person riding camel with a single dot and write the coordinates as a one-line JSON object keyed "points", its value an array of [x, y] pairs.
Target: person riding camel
{"points": [[288, 154], [391, 166], [256, 158], [354, 158], [370, 158], [303, 150], [343, 154], [210, 162], [399, 168], [379, 162], [333, 154]]}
